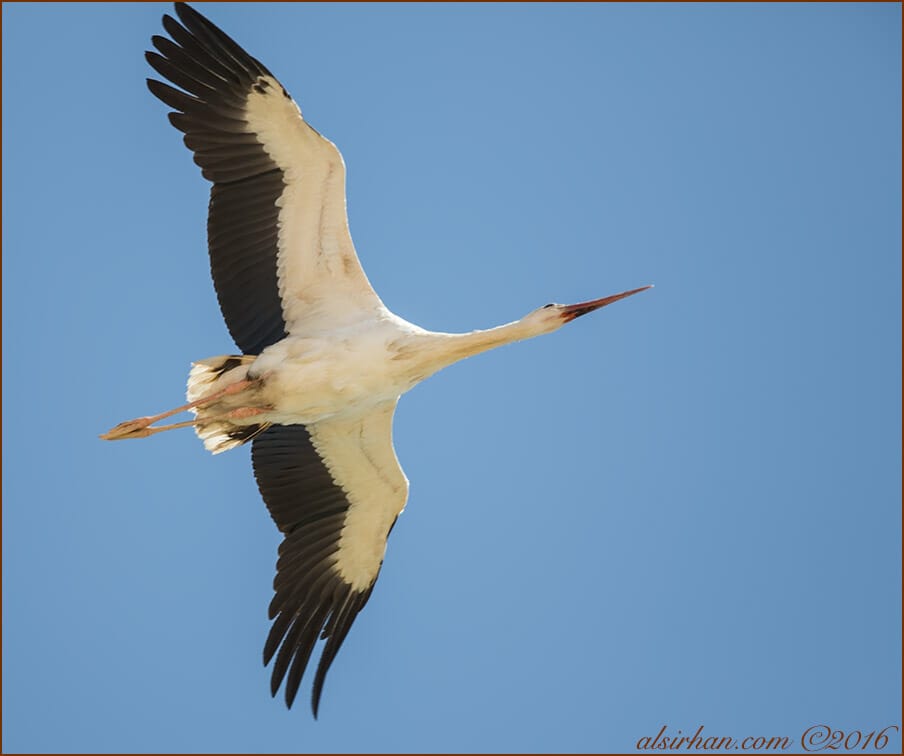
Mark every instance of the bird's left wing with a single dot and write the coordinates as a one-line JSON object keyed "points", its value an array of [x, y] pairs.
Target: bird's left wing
{"points": [[334, 489], [281, 253]]}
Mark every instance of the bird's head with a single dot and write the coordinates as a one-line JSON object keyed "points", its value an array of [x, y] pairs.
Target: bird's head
{"points": [[551, 317]]}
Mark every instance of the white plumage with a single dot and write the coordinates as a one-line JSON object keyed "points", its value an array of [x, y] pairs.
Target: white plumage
{"points": [[323, 361]]}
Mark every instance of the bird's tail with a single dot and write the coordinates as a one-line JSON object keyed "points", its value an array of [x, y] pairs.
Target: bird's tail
{"points": [[208, 377]]}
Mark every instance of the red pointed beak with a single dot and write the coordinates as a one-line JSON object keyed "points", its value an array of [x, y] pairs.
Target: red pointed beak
{"points": [[571, 312]]}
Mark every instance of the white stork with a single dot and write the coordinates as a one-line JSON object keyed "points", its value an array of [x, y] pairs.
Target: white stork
{"points": [[323, 361]]}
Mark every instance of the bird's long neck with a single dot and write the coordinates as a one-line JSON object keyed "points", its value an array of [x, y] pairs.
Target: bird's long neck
{"points": [[440, 350]]}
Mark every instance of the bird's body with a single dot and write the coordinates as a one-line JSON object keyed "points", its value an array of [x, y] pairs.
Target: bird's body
{"points": [[318, 375], [325, 373], [323, 361]]}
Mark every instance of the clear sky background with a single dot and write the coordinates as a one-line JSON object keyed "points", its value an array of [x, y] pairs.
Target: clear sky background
{"points": [[681, 511]]}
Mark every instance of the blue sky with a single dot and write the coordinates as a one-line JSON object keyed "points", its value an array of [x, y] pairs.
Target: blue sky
{"points": [[681, 511]]}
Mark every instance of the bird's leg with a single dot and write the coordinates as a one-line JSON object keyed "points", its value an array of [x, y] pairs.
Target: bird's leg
{"points": [[133, 429], [145, 431], [137, 428], [243, 412]]}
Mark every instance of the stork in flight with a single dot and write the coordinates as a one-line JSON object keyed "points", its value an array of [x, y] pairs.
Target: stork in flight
{"points": [[323, 361]]}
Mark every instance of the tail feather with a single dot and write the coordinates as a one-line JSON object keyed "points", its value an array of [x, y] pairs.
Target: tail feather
{"points": [[207, 377]]}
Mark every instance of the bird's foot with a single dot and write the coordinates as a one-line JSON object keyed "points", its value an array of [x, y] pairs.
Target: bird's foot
{"points": [[138, 428]]}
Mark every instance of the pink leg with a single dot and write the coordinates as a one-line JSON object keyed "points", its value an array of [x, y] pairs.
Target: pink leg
{"points": [[135, 428], [143, 431], [246, 412], [128, 430]]}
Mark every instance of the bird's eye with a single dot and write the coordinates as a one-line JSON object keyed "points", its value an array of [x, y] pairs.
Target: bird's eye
{"points": [[546, 307]]}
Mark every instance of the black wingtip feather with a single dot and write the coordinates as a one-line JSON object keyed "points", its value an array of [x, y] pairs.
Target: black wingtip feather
{"points": [[217, 41]]}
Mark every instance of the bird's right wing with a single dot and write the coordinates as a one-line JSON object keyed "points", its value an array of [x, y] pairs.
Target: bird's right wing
{"points": [[334, 489], [281, 254]]}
